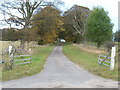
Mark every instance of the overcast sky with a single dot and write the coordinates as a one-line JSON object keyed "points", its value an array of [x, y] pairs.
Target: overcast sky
{"points": [[111, 6]]}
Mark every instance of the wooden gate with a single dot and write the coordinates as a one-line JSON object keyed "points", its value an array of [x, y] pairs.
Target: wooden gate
{"points": [[21, 59], [108, 60], [104, 60]]}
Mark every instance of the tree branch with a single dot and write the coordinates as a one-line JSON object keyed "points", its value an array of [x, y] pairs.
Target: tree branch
{"points": [[6, 20]]}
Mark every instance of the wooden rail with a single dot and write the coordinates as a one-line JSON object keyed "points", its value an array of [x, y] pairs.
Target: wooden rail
{"points": [[105, 56], [104, 61], [17, 61], [21, 55], [23, 59], [23, 63], [103, 64]]}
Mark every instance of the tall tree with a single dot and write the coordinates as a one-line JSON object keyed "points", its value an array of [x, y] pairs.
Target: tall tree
{"points": [[117, 36], [48, 28], [99, 26], [25, 10], [75, 17]]}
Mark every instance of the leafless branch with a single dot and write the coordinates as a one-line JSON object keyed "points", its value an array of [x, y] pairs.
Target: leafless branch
{"points": [[6, 20]]}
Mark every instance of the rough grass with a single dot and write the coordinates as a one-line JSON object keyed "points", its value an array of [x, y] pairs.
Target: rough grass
{"points": [[39, 56], [89, 61], [5, 44]]}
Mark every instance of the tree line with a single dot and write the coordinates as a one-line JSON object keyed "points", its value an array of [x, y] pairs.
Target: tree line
{"points": [[78, 24]]}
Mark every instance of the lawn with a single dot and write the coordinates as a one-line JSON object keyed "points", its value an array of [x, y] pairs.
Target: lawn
{"points": [[39, 55], [89, 61]]}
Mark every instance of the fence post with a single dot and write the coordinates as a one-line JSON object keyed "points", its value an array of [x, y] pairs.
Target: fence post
{"points": [[30, 55], [10, 49], [98, 60], [113, 52], [11, 60]]}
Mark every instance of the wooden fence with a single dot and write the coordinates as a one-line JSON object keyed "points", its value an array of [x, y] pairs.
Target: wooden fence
{"points": [[108, 61], [14, 58], [104, 60], [21, 59]]}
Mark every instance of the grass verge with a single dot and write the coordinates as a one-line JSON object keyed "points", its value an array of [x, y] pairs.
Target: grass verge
{"points": [[89, 61], [38, 60]]}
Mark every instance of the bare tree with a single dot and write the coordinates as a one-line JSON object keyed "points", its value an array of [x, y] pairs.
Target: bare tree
{"points": [[20, 13], [76, 17]]}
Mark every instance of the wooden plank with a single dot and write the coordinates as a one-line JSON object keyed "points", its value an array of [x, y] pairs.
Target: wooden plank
{"points": [[23, 59], [22, 55], [104, 64], [105, 61], [105, 56], [23, 63], [99, 62]]}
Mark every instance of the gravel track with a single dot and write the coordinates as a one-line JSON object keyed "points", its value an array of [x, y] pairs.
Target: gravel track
{"points": [[59, 72]]}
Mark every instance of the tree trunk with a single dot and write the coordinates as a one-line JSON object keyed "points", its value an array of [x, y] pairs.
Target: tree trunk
{"points": [[22, 44], [98, 46], [28, 44], [84, 41]]}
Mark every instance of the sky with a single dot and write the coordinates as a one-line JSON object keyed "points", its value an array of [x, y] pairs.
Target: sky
{"points": [[111, 6]]}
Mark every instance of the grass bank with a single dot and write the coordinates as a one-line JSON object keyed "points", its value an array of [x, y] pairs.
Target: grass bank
{"points": [[89, 61], [39, 55]]}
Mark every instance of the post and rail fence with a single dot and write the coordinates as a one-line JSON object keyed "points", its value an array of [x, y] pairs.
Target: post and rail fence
{"points": [[17, 59], [104, 61], [27, 60], [108, 60]]}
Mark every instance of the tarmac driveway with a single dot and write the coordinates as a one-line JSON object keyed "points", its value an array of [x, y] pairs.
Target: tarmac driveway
{"points": [[60, 72]]}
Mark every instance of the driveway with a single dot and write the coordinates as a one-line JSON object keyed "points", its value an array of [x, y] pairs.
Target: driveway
{"points": [[60, 72]]}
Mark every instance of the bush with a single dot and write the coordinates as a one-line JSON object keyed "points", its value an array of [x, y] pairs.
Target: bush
{"points": [[109, 45]]}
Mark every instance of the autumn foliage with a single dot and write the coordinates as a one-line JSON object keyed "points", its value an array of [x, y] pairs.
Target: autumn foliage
{"points": [[49, 26]]}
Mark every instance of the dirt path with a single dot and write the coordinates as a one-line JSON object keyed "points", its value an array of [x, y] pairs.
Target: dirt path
{"points": [[59, 72]]}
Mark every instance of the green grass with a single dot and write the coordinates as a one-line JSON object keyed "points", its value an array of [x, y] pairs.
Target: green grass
{"points": [[38, 60], [89, 61], [23, 57]]}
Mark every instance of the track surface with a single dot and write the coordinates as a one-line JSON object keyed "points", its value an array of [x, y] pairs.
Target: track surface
{"points": [[59, 72]]}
